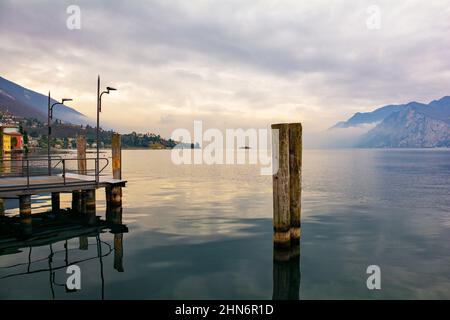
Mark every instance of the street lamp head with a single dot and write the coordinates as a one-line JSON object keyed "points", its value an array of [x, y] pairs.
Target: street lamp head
{"points": [[65, 100], [108, 89]]}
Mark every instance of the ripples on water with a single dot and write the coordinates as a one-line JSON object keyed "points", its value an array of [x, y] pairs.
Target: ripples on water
{"points": [[205, 231]]}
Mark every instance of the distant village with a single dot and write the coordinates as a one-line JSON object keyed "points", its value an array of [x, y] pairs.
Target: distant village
{"points": [[18, 134]]}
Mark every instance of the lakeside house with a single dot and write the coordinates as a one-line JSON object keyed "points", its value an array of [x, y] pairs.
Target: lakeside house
{"points": [[11, 139]]}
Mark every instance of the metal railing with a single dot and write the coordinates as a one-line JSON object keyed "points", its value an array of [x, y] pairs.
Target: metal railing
{"points": [[42, 166]]}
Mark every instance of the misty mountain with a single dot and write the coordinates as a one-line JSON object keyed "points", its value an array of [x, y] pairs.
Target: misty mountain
{"points": [[412, 125], [24, 102], [361, 118]]}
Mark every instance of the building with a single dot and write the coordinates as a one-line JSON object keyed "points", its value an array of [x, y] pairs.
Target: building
{"points": [[11, 139]]}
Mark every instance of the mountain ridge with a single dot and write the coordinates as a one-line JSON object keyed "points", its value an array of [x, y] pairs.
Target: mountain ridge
{"points": [[22, 101], [410, 125]]}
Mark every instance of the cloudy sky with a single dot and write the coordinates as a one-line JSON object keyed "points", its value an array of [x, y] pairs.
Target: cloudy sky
{"points": [[234, 63]]}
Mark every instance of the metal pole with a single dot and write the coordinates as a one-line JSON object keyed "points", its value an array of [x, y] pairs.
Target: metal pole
{"points": [[98, 126], [48, 137]]}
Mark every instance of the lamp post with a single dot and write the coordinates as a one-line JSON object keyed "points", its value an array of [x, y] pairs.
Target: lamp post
{"points": [[99, 109], [49, 125]]}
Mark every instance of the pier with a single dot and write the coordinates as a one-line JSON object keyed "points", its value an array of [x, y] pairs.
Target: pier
{"points": [[24, 176]]}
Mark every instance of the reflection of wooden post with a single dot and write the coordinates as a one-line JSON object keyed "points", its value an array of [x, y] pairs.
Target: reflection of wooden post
{"points": [[286, 279], [83, 243], [280, 161], [295, 172], [118, 252], [56, 200]]}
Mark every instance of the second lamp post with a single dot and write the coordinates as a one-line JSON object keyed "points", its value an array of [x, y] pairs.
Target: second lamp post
{"points": [[99, 109], [49, 124]]}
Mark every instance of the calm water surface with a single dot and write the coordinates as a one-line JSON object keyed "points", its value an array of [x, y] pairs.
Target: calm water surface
{"points": [[205, 232]]}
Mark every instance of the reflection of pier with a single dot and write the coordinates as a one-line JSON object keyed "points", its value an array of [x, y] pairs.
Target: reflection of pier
{"points": [[46, 229]]}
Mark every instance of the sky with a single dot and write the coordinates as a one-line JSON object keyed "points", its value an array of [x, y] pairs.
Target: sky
{"points": [[231, 64]]}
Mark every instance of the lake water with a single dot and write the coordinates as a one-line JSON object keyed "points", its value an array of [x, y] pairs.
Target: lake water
{"points": [[205, 232]]}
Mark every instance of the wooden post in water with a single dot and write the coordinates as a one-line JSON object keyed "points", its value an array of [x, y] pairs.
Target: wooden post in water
{"points": [[281, 194], [116, 156], [295, 176], [114, 193], [287, 158], [81, 154]]}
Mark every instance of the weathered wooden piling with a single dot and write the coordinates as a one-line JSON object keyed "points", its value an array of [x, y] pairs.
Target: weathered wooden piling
{"points": [[281, 205], [114, 193], [116, 154], [287, 164], [56, 202], [81, 154], [295, 184]]}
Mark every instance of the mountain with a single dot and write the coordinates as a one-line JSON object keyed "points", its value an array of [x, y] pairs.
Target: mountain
{"points": [[361, 118], [411, 125], [24, 102]]}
